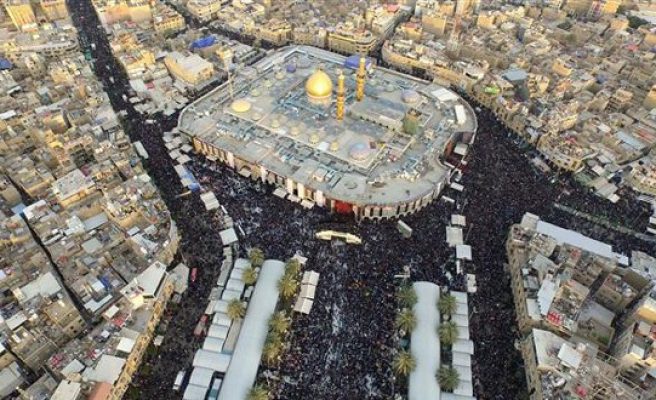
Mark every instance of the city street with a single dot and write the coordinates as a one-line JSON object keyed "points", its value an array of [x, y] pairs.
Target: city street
{"points": [[343, 349]]}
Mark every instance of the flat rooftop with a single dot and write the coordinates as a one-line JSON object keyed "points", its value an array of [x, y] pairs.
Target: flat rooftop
{"points": [[266, 118]]}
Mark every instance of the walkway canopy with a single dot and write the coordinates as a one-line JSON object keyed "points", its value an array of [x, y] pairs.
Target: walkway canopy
{"points": [[248, 351], [425, 344]]}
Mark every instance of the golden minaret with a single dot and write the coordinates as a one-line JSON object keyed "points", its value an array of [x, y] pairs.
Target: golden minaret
{"points": [[359, 94], [340, 97]]}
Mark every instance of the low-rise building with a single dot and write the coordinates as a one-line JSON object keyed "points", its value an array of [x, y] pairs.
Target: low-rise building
{"points": [[166, 20], [204, 10], [54, 9], [189, 68]]}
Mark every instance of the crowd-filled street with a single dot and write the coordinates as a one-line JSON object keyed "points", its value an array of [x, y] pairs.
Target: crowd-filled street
{"points": [[344, 348]]}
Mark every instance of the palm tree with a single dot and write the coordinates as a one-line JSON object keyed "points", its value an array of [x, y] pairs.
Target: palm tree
{"points": [[404, 363], [292, 267], [448, 333], [272, 349], [287, 286], [406, 320], [249, 276], [279, 323], [236, 309], [447, 305], [256, 256], [448, 378], [258, 392], [406, 296]]}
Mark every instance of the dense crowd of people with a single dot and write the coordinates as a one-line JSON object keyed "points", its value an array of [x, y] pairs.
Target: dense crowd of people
{"points": [[344, 348]]}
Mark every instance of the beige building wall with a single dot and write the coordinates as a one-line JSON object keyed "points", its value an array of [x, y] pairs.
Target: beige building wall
{"points": [[20, 12], [434, 23], [650, 99], [54, 9]]}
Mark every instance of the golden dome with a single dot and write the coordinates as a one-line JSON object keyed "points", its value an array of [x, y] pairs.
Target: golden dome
{"points": [[240, 106], [319, 86]]}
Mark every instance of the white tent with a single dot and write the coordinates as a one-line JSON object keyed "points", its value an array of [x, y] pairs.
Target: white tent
{"points": [[218, 331], [211, 360], [235, 284], [242, 263], [222, 319], [201, 377], [280, 192], [310, 277], [221, 306], [463, 252], [308, 291], [457, 219], [230, 295], [228, 236], [237, 274], [461, 359], [464, 346], [303, 305], [454, 236], [461, 297], [193, 392], [213, 344]]}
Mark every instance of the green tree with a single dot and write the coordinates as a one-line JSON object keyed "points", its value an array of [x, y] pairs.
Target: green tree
{"points": [[258, 392], [404, 363], [250, 276], [279, 323], [448, 332], [272, 349], [292, 267], [447, 305], [236, 309], [406, 296], [448, 378], [406, 320], [636, 22], [287, 286], [256, 256]]}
